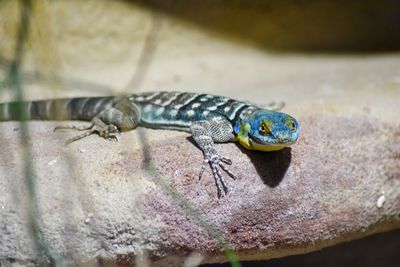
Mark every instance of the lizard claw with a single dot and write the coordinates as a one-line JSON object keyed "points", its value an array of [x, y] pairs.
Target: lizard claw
{"points": [[109, 132], [275, 106], [73, 127], [216, 163], [203, 168], [113, 138], [227, 161]]}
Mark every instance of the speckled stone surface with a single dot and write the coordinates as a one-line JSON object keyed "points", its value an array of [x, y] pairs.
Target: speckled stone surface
{"points": [[286, 202]]}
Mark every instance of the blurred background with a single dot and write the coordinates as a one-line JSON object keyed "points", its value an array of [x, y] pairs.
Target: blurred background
{"points": [[295, 26], [276, 49]]}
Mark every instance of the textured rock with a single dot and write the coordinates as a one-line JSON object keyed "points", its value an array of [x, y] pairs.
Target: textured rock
{"points": [[326, 189]]}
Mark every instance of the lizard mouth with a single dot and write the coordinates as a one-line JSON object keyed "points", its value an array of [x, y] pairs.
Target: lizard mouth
{"points": [[265, 147], [254, 141]]}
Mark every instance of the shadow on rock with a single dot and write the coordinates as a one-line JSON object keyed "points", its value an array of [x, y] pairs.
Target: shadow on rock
{"points": [[270, 166]]}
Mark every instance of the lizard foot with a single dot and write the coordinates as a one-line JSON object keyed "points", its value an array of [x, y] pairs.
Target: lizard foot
{"points": [[216, 163], [275, 106], [109, 132]]}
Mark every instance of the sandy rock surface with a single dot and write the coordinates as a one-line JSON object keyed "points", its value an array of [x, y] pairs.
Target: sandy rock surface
{"points": [[97, 198]]}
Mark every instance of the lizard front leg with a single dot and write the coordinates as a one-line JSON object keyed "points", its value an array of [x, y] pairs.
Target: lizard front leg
{"points": [[124, 115], [205, 133]]}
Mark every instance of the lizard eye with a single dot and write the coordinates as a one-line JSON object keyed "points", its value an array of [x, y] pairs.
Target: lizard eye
{"points": [[292, 125], [265, 127]]}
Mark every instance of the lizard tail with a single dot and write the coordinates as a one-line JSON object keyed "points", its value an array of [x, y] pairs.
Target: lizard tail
{"points": [[81, 108]]}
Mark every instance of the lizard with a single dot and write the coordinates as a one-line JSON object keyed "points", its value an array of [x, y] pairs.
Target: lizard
{"points": [[210, 119]]}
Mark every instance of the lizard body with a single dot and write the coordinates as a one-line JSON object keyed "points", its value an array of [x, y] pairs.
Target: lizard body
{"points": [[207, 117]]}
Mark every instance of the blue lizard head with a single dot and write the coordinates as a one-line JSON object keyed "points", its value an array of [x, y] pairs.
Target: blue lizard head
{"points": [[267, 130]]}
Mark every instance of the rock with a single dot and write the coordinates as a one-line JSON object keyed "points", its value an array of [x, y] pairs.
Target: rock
{"points": [[117, 200]]}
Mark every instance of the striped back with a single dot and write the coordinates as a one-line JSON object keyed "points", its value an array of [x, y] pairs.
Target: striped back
{"points": [[178, 109]]}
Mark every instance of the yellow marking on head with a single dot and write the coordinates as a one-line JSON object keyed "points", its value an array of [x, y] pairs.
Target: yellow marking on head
{"points": [[243, 136], [243, 139], [266, 147]]}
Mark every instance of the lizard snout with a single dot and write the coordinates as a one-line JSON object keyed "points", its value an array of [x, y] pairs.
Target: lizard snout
{"points": [[282, 138]]}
